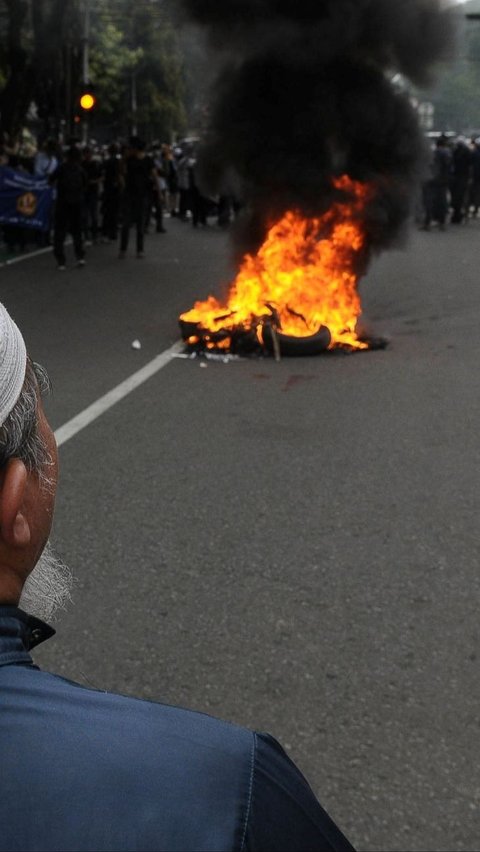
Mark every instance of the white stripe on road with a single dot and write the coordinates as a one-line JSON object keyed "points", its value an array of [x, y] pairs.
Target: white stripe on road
{"points": [[28, 255], [21, 257], [88, 415]]}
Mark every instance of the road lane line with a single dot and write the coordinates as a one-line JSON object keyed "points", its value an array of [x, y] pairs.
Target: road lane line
{"points": [[96, 409], [20, 257]]}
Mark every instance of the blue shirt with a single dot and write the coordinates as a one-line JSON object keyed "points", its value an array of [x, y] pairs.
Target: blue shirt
{"points": [[87, 770]]}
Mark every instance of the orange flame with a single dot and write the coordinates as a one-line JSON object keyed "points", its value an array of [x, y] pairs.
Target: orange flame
{"points": [[307, 278]]}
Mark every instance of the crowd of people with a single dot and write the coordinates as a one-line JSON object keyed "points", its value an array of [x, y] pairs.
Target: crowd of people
{"points": [[101, 194], [451, 194]]}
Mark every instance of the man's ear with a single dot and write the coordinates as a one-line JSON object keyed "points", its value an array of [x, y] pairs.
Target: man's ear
{"points": [[14, 526]]}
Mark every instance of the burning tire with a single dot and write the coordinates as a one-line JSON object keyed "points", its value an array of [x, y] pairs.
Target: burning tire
{"points": [[295, 347]]}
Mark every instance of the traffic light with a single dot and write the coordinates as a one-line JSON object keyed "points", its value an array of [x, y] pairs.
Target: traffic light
{"points": [[87, 100]]}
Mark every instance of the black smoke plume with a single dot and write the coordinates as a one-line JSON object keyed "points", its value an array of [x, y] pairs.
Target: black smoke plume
{"points": [[304, 92]]}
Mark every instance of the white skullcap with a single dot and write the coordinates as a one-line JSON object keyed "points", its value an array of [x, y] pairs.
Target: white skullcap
{"points": [[13, 363]]}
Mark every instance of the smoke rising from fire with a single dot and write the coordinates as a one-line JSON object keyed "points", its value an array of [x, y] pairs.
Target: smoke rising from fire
{"points": [[304, 93]]}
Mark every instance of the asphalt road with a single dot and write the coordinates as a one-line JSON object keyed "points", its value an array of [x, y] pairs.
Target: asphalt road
{"points": [[291, 546]]}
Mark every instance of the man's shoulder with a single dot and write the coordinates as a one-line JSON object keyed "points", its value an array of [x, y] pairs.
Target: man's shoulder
{"points": [[79, 704], [146, 772], [195, 780]]}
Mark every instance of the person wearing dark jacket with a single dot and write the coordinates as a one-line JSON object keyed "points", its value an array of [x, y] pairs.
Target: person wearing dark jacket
{"points": [[137, 176], [459, 181], [87, 770], [93, 174], [71, 184], [435, 189], [111, 193]]}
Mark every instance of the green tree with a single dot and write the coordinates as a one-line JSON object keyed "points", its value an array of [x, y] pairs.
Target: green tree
{"points": [[111, 66], [136, 65], [32, 61], [137, 68]]}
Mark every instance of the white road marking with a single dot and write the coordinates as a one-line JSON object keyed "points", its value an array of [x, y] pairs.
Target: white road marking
{"points": [[88, 415], [18, 258], [21, 257]]}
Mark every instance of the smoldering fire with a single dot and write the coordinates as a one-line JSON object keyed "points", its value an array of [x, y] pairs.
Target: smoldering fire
{"points": [[304, 95]]}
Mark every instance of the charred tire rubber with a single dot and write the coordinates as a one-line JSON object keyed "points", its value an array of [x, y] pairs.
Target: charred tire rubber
{"points": [[295, 347]]}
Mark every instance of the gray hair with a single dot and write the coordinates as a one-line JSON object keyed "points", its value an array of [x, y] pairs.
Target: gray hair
{"points": [[19, 434]]}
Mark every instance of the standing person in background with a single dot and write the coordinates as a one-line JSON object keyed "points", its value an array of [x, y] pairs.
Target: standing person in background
{"points": [[166, 159], [435, 189], [46, 160], [198, 202], [172, 179], [44, 165], [460, 177], [137, 173], [71, 184], [183, 178], [93, 172], [474, 193], [111, 193], [157, 192]]}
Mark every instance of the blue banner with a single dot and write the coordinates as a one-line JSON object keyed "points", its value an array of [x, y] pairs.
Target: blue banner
{"points": [[25, 201]]}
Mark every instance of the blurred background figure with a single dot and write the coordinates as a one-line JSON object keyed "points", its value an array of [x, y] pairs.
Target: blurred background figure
{"points": [[436, 188], [111, 193], [71, 184], [93, 172], [44, 165], [137, 173], [474, 193], [183, 180], [170, 177], [158, 188], [460, 178], [46, 159]]}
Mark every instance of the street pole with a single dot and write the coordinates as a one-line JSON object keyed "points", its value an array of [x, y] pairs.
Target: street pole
{"points": [[85, 62]]}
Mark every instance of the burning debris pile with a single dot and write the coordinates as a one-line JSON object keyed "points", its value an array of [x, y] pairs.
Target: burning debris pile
{"points": [[309, 130]]}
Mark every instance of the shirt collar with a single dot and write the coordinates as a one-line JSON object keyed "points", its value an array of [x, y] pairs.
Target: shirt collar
{"points": [[19, 633]]}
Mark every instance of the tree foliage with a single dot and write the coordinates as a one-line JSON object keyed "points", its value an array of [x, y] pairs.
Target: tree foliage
{"points": [[135, 63], [31, 59], [137, 67]]}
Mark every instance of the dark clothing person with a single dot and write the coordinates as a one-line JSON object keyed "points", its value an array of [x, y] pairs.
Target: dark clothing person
{"points": [[198, 202], [183, 182], [133, 212], [474, 197], [93, 173], [171, 180], [461, 167], [172, 186], [435, 190], [71, 183], [138, 174], [68, 219], [155, 199], [111, 197], [14, 237], [87, 770]]}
